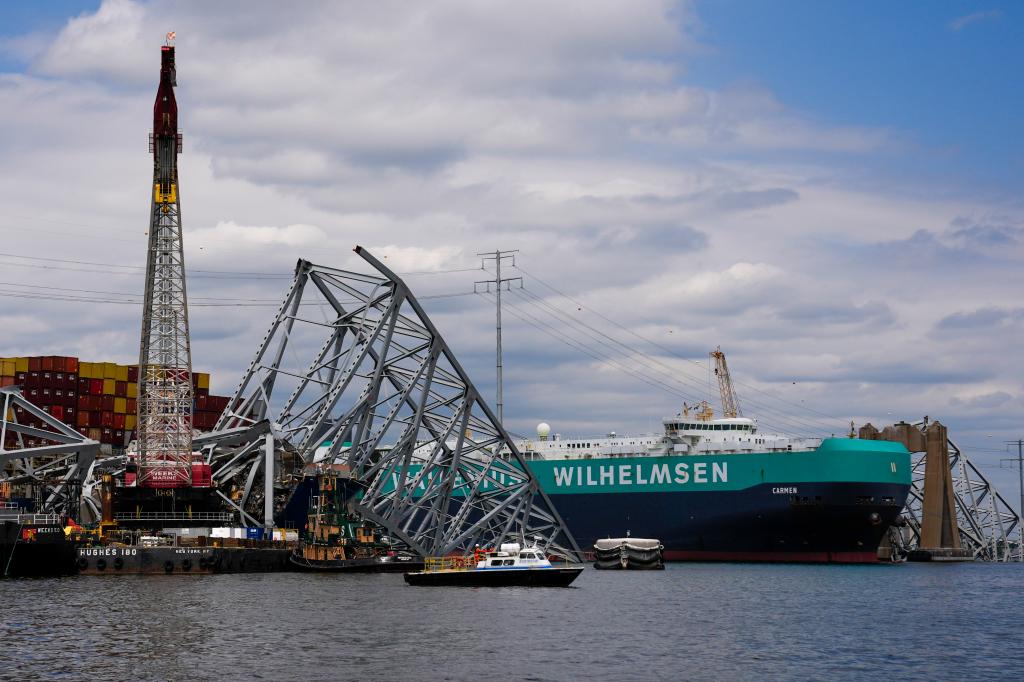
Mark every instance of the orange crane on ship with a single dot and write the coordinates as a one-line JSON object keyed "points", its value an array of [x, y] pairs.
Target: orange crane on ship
{"points": [[730, 403]]}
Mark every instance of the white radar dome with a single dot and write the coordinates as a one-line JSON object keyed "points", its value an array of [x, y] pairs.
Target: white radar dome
{"points": [[543, 430]]}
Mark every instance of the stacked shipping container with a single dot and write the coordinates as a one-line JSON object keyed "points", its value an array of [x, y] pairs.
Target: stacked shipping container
{"points": [[99, 399]]}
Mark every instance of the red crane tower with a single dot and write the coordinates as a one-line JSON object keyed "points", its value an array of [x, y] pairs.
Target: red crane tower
{"points": [[165, 357]]}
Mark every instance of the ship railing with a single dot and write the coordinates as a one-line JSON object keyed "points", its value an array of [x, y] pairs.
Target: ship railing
{"points": [[449, 563], [32, 519], [174, 516]]}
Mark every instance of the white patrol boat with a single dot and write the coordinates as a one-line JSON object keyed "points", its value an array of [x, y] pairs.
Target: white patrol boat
{"points": [[510, 566]]}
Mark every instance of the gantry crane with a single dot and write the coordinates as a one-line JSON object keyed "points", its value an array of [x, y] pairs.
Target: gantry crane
{"points": [[165, 357], [730, 403]]}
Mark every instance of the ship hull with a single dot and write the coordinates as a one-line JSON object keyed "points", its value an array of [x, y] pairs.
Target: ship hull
{"points": [[33, 550], [512, 577], [746, 525], [832, 505], [181, 560]]}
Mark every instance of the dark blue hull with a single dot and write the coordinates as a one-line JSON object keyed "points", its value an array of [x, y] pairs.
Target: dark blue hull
{"points": [[826, 522]]}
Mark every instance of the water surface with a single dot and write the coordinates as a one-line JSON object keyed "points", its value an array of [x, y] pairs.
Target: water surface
{"points": [[691, 621]]}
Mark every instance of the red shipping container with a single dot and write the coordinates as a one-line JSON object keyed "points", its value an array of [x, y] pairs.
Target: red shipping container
{"points": [[106, 419], [45, 394], [71, 397], [119, 437], [120, 388], [57, 411], [205, 392], [34, 379], [6, 381], [202, 475], [71, 382], [95, 419], [58, 379], [47, 363], [107, 402], [83, 385], [96, 386], [84, 431], [133, 374], [58, 395], [119, 421], [71, 365], [21, 377], [83, 402], [60, 363], [82, 420], [69, 415], [107, 436], [201, 402], [35, 364], [132, 406]]}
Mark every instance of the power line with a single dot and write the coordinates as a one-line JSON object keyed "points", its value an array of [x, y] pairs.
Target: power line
{"points": [[196, 302], [140, 269], [665, 349], [781, 421]]}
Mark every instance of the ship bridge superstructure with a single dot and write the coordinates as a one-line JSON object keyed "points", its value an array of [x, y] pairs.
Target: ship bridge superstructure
{"points": [[683, 435]]}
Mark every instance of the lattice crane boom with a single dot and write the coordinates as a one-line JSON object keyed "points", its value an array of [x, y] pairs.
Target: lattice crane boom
{"points": [[730, 403], [165, 357]]}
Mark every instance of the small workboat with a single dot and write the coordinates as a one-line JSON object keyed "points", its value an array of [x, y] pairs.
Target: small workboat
{"points": [[509, 566]]}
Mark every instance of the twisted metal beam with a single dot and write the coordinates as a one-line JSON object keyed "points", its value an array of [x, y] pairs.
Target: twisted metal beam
{"points": [[373, 389]]}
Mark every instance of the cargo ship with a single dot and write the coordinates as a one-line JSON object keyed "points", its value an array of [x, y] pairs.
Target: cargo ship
{"points": [[98, 399], [721, 490]]}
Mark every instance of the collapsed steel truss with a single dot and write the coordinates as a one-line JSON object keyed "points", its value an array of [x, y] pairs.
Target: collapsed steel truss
{"points": [[52, 474], [989, 527], [373, 390]]}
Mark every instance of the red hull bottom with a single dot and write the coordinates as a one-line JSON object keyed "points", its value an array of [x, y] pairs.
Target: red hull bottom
{"points": [[790, 557]]}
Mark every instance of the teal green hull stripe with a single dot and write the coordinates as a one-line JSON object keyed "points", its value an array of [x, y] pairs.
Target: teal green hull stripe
{"points": [[837, 460]]}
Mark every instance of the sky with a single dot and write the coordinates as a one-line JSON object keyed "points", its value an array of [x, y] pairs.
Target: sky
{"points": [[831, 192]]}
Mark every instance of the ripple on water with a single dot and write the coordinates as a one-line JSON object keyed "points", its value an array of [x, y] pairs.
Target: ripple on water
{"points": [[691, 621]]}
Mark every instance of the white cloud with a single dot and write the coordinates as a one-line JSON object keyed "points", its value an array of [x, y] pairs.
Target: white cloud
{"points": [[963, 22], [430, 133]]}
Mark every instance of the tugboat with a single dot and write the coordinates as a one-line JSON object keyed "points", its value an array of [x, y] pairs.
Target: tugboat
{"points": [[33, 545], [338, 540], [510, 566]]}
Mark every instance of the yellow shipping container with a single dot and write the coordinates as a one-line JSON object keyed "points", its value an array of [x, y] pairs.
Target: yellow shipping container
{"points": [[85, 370], [7, 367], [120, 405], [122, 373], [129, 422], [108, 386], [204, 381], [109, 371], [133, 389], [20, 364]]}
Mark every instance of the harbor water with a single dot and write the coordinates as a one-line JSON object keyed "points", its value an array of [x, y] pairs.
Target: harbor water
{"points": [[691, 621]]}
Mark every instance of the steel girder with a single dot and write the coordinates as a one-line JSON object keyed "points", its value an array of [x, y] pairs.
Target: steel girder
{"points": [[54, 473], [989, 526], [372, 389]]}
